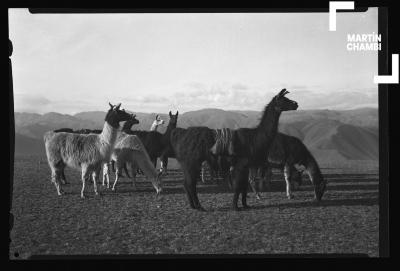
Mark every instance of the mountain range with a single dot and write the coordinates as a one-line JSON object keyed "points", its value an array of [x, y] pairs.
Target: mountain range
{"points": [[334, 137]]}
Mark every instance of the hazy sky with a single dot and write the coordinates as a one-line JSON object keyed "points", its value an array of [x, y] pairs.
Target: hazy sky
{"points": [[70, 63]]}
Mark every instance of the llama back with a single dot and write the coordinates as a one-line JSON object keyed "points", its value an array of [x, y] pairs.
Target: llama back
{"points": [[131, 148], [76, 149], [131, 142], [296, 150]]}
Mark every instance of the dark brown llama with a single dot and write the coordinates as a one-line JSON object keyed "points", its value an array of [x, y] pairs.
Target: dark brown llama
{"points": [[158, 145], [246, 147], [291, 155]]}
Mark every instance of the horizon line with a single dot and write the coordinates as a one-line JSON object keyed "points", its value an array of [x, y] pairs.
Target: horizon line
{"points": [[207, 108]]}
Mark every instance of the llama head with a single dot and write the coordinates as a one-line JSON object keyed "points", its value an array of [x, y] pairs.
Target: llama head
{"points": [[158, 121], [281, 103], [129, 123], [115, 115], [173, 119]]}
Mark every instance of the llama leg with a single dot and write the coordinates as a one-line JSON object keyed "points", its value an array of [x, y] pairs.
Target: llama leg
{"points": [[155, 162], [164, 164], [252, 178], [236, 192], [287, 173], [295, 179], [95, 176], [85, 177], [238, 177], [244, 188], [134, 168], [193, 183], [267, 176], [230, 177], [126, 170], [188, 186], [113, 165], [188, 194], [55, 178], [227, 178], [203, 173], [108, 175], [116, 179], [213, 174], [63, 179], [105, 172]]}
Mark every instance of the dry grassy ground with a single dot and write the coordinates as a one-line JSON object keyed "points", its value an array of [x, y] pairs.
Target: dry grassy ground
{"points": [[129, 222]]}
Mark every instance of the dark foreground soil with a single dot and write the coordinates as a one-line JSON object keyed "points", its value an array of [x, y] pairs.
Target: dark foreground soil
{"points": [[129, 221]]}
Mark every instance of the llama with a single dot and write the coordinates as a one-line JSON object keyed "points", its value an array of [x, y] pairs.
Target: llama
{"points": [[86, 152], [157, 144], [69, 130], [139, 154], [290, 154], [106, 172], [157, 122], [245, 147], [82, 131], [130, 149]]}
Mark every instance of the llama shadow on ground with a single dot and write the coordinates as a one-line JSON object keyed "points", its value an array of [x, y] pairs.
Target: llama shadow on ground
{"points": [[309, 203], [274, 187], [173, 184]]}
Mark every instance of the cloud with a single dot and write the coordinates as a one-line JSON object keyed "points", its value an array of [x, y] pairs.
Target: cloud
{"points": [[340, 100], [29, 102], [195, 96], [25, 102]]}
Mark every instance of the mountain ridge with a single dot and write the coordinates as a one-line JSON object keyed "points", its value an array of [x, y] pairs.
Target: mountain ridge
{"points": [[333, 136]]}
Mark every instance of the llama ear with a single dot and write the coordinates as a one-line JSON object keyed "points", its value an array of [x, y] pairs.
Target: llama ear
{"points": [[283, 92], [111, 106], [176, 113], [170, 114], [118, 106]]}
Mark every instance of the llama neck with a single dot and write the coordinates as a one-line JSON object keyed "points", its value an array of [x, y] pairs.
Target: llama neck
{"points": [[127, 127], [169, 130], [154, 126], [167, 134], [268, 125], [109, 134]]}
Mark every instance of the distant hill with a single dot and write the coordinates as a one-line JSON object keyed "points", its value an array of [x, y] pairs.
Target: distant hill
{"points": [[334, 137], [28, 146]]}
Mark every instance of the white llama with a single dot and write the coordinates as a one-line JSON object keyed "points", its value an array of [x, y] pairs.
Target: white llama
{"points": [[83, 151]]}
